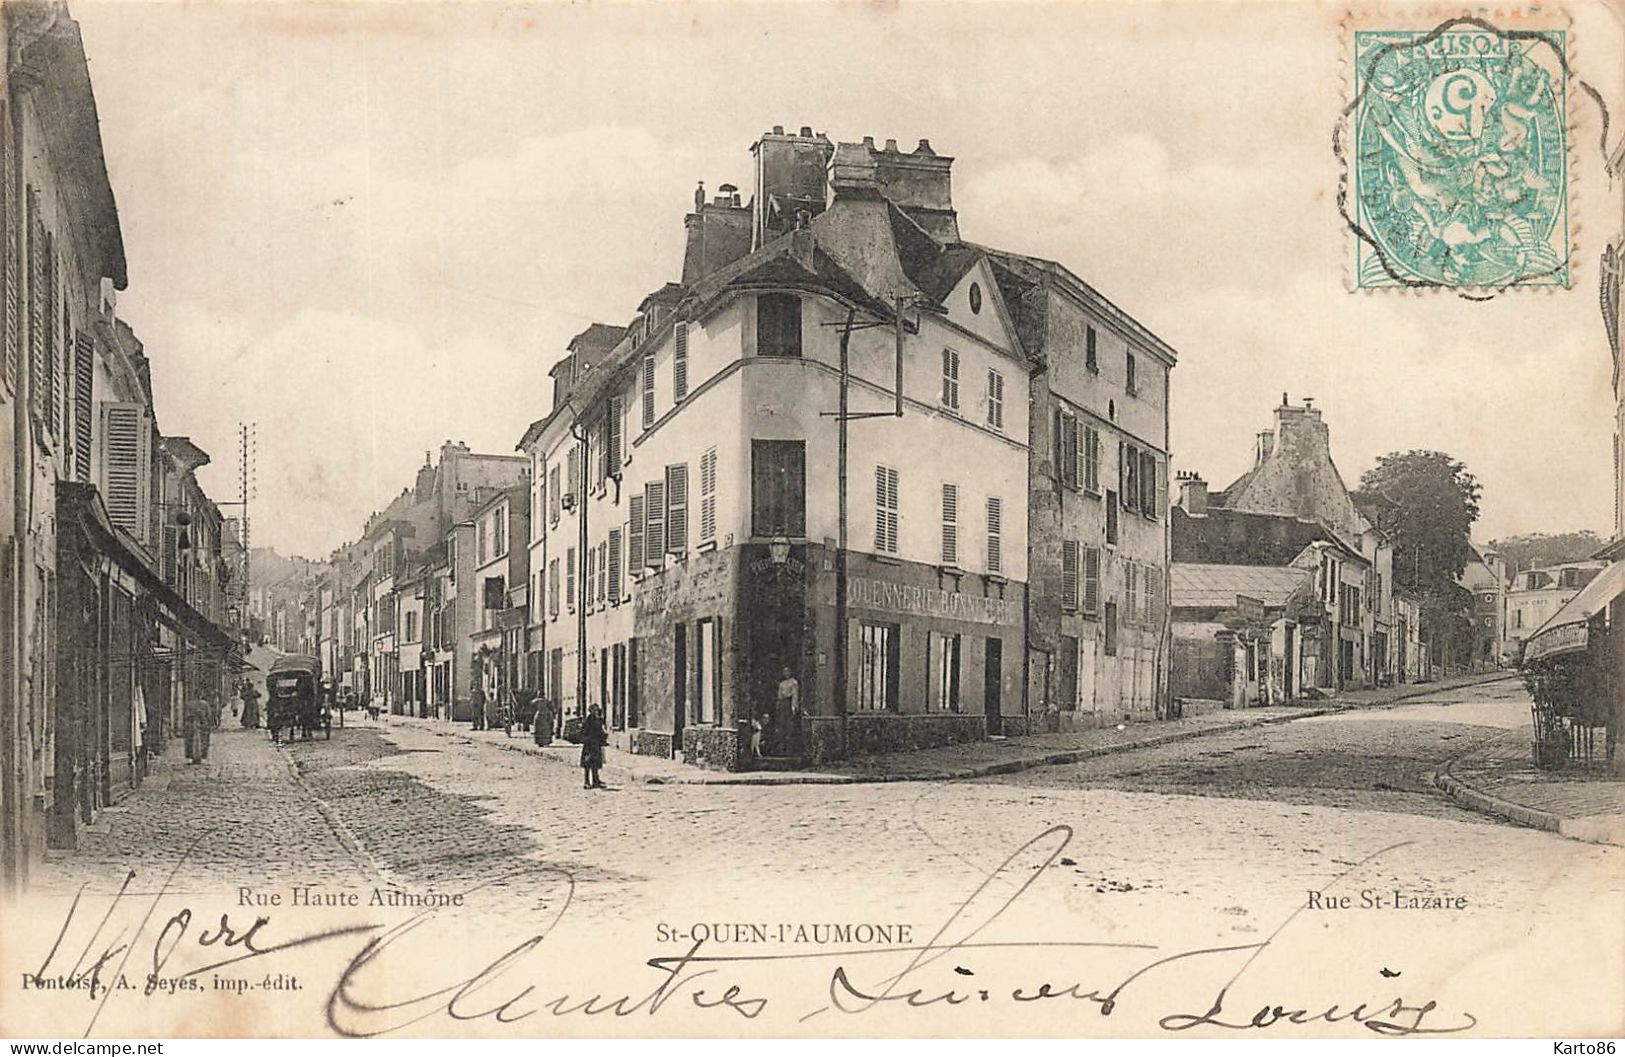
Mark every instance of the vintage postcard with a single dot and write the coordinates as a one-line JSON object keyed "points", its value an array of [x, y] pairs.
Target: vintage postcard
{"points": [[634, 520]]}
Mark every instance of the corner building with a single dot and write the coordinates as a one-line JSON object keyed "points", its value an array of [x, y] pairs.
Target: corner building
{"points": [[688, 570]]}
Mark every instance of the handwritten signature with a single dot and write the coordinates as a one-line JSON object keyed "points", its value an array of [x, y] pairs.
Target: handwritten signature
{"points": [[514, 986]]}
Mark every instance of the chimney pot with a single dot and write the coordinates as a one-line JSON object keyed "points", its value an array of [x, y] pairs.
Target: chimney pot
{"points": [[924, 147], [806, 131], [869, 141], [891, 146], [778, 130]]}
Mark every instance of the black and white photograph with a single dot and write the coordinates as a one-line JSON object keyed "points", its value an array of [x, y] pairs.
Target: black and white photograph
{"points": [[811, 520]]}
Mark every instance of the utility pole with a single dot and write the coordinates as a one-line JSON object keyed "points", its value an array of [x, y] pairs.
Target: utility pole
{"points": [[843, 415]]}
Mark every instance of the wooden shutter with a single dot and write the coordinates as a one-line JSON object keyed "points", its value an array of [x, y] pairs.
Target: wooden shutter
{"points": [[127, 466], [10, 280], [1069, 575], [1122, 472], [570, 579], [1131, 589], [1069, 449], [553, 587], [615, 565], [679, 362], [603, 574], [995, 528], [84, 381], [950, 378], [634, 531], [677, 508], [53, 342], [168, 557], [648, 390], [654, 533], [613, 439], [950, 524], [1148, 483], [572, 470], [553, 495], [885, 509], [1091, 580], [1091, 456], [708, 496], [36, 306], [995, 399]]}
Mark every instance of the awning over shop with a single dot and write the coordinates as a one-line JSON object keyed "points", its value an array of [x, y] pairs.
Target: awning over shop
{"points": [[1566, 631], [81, 504]]}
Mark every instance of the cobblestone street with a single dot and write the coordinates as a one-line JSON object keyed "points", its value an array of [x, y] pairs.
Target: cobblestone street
{"points": [[1214, 840]]}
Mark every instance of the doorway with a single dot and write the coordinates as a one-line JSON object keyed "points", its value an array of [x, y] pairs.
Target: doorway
{"points": [[992, 681]]}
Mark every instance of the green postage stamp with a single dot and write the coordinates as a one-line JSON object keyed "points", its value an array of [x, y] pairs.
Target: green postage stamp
{"points": [[1455, 148]]}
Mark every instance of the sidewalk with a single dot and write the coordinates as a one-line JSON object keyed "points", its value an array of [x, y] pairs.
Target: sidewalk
{"points": [[1500, 778], [969, 760]]}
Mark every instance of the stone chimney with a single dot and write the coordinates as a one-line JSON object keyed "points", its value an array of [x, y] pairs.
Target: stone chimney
{"points": [[853, 171], [718, 233], [1300, 431], [1193, 494], [918, 182], [790, 172], [1266, 446]]}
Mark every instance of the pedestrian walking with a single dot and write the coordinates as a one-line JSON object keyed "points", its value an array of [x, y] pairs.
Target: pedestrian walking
{"points": [[200, 718], [593, 740], [251, 705]]}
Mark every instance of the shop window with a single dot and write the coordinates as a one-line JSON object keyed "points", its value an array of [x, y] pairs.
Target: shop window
{"points": [[707, 671], [877, 667], [942, 661]]}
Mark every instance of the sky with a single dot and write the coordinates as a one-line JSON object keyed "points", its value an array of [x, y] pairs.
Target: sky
{"points": [[371, 228]]}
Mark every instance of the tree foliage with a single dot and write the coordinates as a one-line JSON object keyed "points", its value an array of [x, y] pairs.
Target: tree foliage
{"points": [[1425, 502], [1536, 549]]}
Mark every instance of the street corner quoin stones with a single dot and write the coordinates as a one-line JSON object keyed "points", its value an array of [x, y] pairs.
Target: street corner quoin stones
{"points": [[1455, 148]]}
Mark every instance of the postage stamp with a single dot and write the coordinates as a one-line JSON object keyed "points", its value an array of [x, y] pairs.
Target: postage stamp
{"points": [[1455, 148]]}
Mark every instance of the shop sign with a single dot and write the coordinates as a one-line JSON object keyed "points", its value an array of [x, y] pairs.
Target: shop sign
{"points": [[1561, 639], [863, 593]]}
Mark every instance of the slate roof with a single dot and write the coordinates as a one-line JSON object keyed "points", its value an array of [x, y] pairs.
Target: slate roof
{"points": [[1241, 537]]}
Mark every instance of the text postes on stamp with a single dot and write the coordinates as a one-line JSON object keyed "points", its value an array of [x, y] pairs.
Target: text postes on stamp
{"points": [[1456, 154]]}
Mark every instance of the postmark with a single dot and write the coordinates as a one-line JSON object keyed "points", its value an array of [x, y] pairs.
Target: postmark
{"points": [[1455, 144]]}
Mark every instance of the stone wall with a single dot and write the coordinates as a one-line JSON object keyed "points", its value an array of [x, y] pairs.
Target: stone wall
{"points": [[872, 733], [714, 748]]}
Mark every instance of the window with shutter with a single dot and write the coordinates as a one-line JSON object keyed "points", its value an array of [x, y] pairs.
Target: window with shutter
{"points": [[37, 310], [615, 566], [1111, 516], [1069, 575], [995, 530], [167, 560], [553, 495], [1132, 382], [1091, 580], [84, 381], [10, 279], [778, 488], [950, 524], [648, 389], [1131, 485], [1069, 449], [634, 533], [708, 496], [625, 403], [995, 399], [1148, 484], [127, 466], [1131, 590], [1091, 358], [603, 574], [553, 587], [654, 533], [1091, 459], [570, 579], [572, 470], [1153, 596], [53, 340], [885, 510], [950, 379], [679, 362], [1111, 629], [613, 439], [677, 509]]}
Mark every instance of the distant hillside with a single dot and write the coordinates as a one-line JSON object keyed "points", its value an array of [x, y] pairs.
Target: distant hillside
{"points": [[266, 567], [1536, 549]]}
